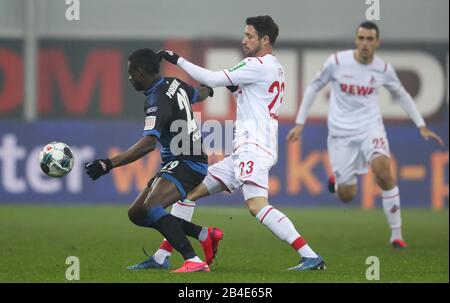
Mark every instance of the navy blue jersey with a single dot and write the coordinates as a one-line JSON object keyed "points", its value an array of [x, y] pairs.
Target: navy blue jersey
{"points": [[169, 117]]}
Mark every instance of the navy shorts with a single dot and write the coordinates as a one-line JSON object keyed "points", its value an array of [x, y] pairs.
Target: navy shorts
{"points": [[185, 174]]}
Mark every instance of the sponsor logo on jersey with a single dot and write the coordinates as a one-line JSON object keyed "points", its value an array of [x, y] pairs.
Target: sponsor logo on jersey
{"points": [[359, 90], [151, 109], [239, 65], [149, 122]]}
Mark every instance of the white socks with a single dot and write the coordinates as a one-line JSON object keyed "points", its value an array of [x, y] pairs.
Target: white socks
{"points": [[283, 228], [195, 259], [162, 253], [391, 206], [183, 210]]}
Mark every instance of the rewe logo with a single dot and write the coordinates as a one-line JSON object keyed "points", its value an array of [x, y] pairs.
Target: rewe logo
{"points": [[359, 90], [73, 11]]}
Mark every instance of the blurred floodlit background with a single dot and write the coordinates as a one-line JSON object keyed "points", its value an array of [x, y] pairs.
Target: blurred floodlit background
{"points": [[66, 80]]}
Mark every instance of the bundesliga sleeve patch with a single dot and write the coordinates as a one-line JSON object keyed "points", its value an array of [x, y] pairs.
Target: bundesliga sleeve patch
{"points": [[149, 122], [239, 65]]}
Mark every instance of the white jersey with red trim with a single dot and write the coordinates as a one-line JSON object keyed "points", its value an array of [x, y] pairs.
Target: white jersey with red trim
{"points": [[259, 96], [354, 95]]}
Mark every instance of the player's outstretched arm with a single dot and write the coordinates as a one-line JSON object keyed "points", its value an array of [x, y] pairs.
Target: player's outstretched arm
{"points": [[100, 167], [145, 145], [428, 134], [295, 133], [200, 74], [322, 78], [395, 87]]}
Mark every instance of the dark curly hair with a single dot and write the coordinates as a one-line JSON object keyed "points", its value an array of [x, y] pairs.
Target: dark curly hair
{"points": [[264, 25]]}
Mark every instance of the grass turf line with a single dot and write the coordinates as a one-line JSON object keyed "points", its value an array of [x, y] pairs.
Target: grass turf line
{"points": [[36, 240]]}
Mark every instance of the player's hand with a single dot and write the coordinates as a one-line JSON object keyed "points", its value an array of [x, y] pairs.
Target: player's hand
{"points": [[98, 168], [169, 55], [427, 134], [210, 90], [295, 133]]}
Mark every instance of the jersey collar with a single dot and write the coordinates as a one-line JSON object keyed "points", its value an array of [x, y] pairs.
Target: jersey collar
{"points": [[152, 88]]}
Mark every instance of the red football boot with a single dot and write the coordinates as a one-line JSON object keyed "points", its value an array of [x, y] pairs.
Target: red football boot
{"points": [[211, 244], [399, 244], [189, 266]]}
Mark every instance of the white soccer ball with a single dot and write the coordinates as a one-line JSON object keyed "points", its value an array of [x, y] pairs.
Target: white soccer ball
{"points": [[56, 159]]}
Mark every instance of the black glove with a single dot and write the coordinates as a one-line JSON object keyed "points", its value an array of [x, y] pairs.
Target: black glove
{"points": [[232, 88], [211, 91], [98, 168], [168, 55]]}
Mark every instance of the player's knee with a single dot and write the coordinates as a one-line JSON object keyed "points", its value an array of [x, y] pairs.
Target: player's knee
{"points": [[132, 216], [384, 179], [253, 210], [347, 195], [135, 217]]}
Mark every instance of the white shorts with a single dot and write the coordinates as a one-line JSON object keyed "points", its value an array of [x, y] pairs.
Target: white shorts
{"points": [[349, 156], [248, 167]]}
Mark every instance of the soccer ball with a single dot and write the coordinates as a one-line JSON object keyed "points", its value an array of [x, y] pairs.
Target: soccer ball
{"points": [[56, 159]]}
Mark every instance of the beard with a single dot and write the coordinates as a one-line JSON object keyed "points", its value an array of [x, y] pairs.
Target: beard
{"points": [[366, 54], [252, 53]]}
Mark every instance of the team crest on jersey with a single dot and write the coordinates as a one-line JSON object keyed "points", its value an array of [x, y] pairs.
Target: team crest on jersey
{"points": [[149, 122], [239, 65]]}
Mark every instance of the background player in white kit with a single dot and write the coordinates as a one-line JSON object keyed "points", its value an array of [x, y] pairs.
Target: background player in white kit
{"points": [[258, 83], [356, 132]]}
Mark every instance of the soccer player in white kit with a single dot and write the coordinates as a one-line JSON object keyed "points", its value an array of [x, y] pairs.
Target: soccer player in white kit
{"points": [[258, 82], [356, 134]]}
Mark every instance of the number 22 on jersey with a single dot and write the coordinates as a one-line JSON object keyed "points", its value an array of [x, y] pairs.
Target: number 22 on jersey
{"points": [[278, 89]]}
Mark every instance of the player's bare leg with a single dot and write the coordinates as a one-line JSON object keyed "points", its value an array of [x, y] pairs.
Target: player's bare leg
{"points": [[347, 192], [135, 209], [381, 167], [152, 214], [279, 224], [185, 210], [199, 192]]}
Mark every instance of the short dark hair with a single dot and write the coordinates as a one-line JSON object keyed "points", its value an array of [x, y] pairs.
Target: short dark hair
{"points": [[264, 25], [146, 59], [369, 25]]}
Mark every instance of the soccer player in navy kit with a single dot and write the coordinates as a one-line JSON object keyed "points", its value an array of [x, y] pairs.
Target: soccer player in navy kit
{"points": [[169, 120]]}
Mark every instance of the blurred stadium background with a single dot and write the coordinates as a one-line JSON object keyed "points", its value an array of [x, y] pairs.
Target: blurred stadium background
{"points": [[64, 80]]}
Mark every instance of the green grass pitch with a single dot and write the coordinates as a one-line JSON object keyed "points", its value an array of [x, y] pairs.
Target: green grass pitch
{"points": [[36, 240]]}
